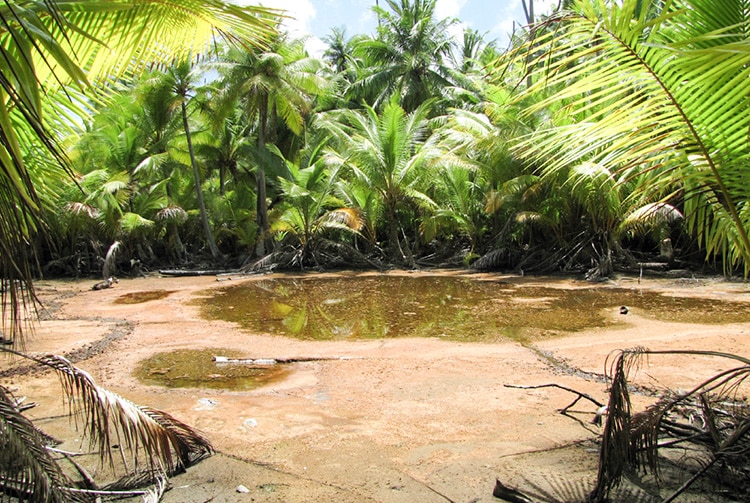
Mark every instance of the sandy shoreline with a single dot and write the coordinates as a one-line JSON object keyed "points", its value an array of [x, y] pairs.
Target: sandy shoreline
{"points": [[403, 420]]}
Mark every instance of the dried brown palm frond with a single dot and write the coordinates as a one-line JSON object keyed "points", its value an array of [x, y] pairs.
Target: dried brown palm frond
{"points": [[109, 419], [26, 467], [155, 492], [109, 267], [615, 451], [351, 218], [493, 260], [711, 418]]}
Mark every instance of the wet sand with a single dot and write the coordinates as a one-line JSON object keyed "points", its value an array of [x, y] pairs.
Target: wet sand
{"points": [[395, 420]]}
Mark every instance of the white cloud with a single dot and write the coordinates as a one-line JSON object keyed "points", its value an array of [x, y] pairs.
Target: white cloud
{"points": [[513, 11], [448, 8], [544, 7], [301, 14], [315, 47]]}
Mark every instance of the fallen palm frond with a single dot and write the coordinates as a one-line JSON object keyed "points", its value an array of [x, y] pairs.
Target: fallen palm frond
{"points": [[684, 439], [108, 419], [26, 467], [711, 422], [152, 444]]}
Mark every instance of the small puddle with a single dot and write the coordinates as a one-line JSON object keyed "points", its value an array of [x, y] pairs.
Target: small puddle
{"points": [[189, 368], [140, 297], [454, 308]]}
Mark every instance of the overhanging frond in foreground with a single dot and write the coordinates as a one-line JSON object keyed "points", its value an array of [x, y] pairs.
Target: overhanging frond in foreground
{"points": [[166, 442], [658, 93]]}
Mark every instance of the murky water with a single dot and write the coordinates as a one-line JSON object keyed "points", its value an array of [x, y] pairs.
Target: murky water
{"points": [[366, 307], [196, 369], [454, 308], [140, 297]]}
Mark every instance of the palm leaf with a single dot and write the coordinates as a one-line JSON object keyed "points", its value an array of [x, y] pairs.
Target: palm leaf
{"points": [[631, 442], [650, 217], [59, 46], [26, 467], [645, 86], [108, 419]]}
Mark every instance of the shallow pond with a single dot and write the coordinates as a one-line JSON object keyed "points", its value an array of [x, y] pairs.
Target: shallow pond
{"points": [[450, 307], [141, 297], [196, 369]]}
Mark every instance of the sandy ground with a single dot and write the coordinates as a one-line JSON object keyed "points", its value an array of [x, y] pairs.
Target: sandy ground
{"points": [[401, 420]]}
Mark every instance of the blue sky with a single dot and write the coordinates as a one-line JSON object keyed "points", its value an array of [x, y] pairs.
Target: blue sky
{"points": [[316, 18]]}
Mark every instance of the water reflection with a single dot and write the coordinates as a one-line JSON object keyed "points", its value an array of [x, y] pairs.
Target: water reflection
{"points": [[455, 308], [196, 368]]}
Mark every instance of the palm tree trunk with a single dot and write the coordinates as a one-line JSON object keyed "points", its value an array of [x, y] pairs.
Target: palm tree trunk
{"points": [[198, 190], [263, 244]]}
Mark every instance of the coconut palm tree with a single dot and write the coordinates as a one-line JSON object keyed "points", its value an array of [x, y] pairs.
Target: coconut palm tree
{"points": [[653, 91], [388, 153], [49, 49], [182, 78], [310, 207], [53, 48], [274, 87], [408, 57]]}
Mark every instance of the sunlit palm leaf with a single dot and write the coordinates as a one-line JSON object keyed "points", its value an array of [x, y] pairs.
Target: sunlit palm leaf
{"points": [[133, 223], [645, 86], [171, 214], [650, 216], [347, 218], [46, 47]]}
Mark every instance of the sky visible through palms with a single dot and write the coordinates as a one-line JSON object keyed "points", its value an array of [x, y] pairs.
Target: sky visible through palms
{"points": [[316, 18]]}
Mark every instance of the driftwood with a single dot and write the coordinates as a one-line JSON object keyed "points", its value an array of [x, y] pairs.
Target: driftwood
{"points": [[276, 361], [196, 272]]}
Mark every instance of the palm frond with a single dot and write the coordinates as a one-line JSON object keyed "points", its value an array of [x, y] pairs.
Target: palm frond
{"points": [[350, 218], [631, 443], [650, 217], [108, 419], [171, 213], [641, 87], [26, 467], [51, 49]]}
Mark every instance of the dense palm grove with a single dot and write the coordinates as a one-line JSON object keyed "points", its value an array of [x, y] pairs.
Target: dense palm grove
{"points": [[140, 134], [407, 147]]}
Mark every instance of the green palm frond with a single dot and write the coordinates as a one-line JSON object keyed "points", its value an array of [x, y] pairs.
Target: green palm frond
{"points": [[50, 50], [642, 87], [133, 223]]}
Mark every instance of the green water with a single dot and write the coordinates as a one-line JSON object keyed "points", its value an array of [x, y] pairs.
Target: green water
{"points": [[367, 307], [453, 308], [189, 368]]}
